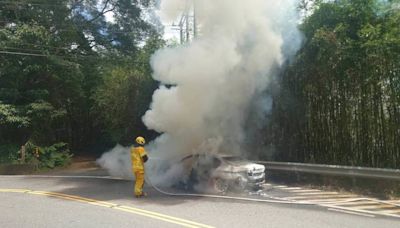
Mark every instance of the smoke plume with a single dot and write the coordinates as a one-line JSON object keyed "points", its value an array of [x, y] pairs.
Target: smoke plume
{"points": [[209, 86], [117, 162], [214, 79]]}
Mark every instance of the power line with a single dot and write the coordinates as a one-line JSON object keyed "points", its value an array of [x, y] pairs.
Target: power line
{"points": [[80, 29], [104, 31], [66, 55], [30, 3], [21, 53], [36, 45], [61, 5], [41, 46], [61, 56], [48, 55], [38, 51]]}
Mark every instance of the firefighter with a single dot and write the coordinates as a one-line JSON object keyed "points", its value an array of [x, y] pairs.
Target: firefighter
{"points": [[139, 157]]}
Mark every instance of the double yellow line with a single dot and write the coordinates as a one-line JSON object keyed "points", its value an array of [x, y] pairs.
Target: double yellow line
{"points": [[133, 210]]}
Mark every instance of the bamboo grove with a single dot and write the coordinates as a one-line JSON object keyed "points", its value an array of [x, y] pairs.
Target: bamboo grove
{"points": [[340, 98]]}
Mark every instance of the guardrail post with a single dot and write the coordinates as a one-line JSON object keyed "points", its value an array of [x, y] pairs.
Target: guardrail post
{"points": [[297, 176], [354, 182]]}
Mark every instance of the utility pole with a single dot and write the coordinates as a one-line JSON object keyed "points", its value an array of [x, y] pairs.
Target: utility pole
{"points": [[181, 30], [194, 20], [188, 23]]}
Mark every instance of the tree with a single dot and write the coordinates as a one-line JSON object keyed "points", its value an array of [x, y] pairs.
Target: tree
{"points": [[53, 56], [125, 94], [339, 98]]}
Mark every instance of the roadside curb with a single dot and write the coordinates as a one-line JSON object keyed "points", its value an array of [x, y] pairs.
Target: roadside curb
{"points": [[83, 164], [17, 169], [20, 169]]}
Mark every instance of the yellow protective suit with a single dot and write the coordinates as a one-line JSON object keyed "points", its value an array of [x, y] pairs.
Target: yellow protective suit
{"points": [[137, 154]]}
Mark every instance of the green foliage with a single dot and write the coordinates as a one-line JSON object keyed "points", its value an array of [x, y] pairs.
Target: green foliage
{"points": [[8, 153], [10, 115], [56, 155], [54, 58], [343, 87], [125, 94]]}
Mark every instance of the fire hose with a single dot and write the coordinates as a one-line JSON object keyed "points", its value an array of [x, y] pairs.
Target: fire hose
{"points": [[271, 199]]}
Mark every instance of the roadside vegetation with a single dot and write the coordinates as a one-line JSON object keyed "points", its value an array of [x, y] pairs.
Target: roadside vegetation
{"points": [[69, 76], [339, 101], [72, 79]]}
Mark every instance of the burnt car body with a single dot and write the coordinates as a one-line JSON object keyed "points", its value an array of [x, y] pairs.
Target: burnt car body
{"points": [[221, 173]]}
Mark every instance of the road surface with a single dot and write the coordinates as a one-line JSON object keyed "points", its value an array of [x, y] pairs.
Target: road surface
{"points": [[81, 201]]}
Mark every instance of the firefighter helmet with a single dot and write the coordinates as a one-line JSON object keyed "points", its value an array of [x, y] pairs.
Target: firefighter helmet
{"points": [[140, 140]]}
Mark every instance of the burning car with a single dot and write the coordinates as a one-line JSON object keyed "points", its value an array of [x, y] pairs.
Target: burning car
{"points": [[221, 173]]}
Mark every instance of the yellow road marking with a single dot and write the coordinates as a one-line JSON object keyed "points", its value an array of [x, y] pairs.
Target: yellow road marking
{"points": [[78, 198], [156, 217], [14, 190], [160, 215], [150, 214]]}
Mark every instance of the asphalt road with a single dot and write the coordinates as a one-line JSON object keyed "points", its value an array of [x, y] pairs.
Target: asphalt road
{"points": [[86, 202]]}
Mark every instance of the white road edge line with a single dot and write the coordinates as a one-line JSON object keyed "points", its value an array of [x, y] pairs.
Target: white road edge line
{"points": [[358, 202], [292, 188], [351, 212], [306, 190], [320, 197], [279, 186], [316, 193]]}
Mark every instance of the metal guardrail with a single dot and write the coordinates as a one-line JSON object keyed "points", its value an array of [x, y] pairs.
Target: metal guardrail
{"points": [[393, 174]]}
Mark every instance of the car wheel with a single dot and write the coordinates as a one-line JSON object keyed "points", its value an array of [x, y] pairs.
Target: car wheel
{"points": [[241, 184], [220, 186]]}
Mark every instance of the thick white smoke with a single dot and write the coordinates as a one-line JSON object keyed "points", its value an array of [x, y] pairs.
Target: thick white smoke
{"points": [[214, 79], [117, 162], [209, 84]]}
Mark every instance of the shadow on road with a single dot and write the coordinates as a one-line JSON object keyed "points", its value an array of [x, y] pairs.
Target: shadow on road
{"points": [[108, 190]]}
